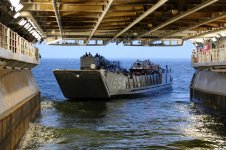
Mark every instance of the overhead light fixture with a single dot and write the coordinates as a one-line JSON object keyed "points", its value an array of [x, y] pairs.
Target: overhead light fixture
{"points": [[174, 11], [19, 7], [34, 33], [16, 15], [14, 3], [27, 25], [30, 29], [135, 34], [22, 22]]}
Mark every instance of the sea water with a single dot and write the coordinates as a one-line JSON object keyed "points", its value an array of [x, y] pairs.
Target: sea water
{"points": [[161, 120]]}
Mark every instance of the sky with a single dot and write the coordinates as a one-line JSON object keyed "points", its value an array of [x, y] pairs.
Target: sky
{"points": [[117, 51]]}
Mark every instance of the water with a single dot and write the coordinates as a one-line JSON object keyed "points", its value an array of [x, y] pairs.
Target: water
{"points": [[163, 120]]}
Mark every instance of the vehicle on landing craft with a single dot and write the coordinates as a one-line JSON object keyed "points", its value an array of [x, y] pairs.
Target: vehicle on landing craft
{"points": [[101, 78]]}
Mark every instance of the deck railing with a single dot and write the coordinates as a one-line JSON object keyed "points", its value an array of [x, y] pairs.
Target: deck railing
{"points": [[11, 41], [213, 55]]}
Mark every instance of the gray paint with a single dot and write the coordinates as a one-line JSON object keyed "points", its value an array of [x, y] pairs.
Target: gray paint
{"points": [[210, 82], [104, 84]]}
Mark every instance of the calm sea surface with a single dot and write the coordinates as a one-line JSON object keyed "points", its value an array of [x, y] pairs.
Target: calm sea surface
{"points": [[163, 120]]}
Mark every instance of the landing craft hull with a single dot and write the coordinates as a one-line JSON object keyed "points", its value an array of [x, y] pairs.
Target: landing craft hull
{"points": [[208, 89], [81, 84]]}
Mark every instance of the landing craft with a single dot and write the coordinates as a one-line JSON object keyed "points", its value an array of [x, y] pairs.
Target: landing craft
{"points": [[100, 78]]}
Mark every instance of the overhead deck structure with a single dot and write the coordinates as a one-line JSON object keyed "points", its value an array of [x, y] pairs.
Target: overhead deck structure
{"points": [[132, 22]]}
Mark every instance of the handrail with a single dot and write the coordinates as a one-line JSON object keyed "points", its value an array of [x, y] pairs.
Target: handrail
{"points": [[207, 56], [14, 43]]}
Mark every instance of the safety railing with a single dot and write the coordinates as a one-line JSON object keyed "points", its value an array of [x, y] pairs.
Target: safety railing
{"points": [[144, 80], [213, 55], [11, 41]]}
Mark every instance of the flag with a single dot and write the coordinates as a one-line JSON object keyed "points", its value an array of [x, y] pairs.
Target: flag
{"points": [[207, 46]]}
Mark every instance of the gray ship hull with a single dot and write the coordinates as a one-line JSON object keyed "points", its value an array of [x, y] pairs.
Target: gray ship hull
{"points": [[209, 91], [82, 84], [101, 84]]}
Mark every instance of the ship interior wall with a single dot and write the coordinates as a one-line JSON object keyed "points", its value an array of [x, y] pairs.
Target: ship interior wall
{"points": [[19, 104]]}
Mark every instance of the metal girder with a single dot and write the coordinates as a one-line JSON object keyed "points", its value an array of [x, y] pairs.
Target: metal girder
{"points": [[51, 40], [79, 7], [145, 14], [60, 2], [192, 26], [108, 5], [69, 38], [64, 7], [182, 15], [78, 19], [57, 17], [78, 33], [68, 42], [205, 33], [165, 42], [72, 44], [29, 16], [75, 31]]}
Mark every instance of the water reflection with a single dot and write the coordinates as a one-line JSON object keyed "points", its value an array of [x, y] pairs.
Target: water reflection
{"points": [[85, 108], [205, 130], [165, 120], [136, 123]]}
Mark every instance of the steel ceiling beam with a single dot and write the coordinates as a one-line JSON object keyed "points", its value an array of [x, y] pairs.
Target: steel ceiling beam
{"points": [[108, 5], [29, 2], [57, 17], [64, 7], [28, 15], [145, 14], [182, 15], [203, 34], [191, 27]]}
